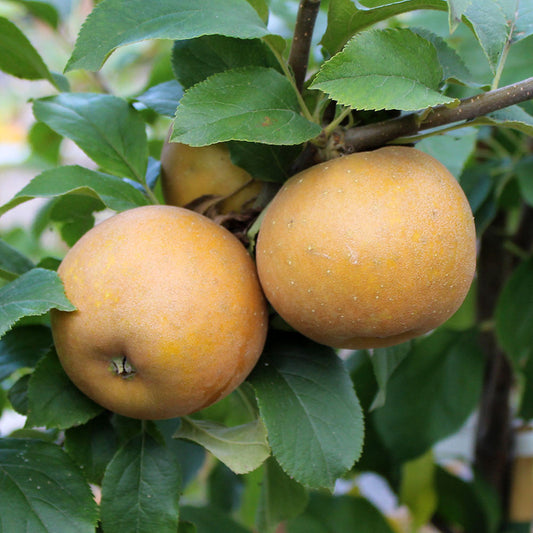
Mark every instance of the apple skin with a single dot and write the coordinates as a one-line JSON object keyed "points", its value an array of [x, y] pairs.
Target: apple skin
{"points": [[368, 250], [170, 316], [188, 173]]}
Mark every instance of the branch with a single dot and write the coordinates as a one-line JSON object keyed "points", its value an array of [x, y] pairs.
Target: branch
{"points": [[301, 41], [375, 135]]}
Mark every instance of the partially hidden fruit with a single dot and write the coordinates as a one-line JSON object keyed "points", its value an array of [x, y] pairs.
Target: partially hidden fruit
{"points": [[189, 173], [170, 316], [368, 250]]}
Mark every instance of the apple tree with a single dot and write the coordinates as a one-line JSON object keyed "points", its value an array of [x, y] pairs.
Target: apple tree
{"points": [[316, 439]]}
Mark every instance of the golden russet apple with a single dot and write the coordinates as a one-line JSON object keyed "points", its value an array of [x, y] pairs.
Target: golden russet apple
{"points": [[188, 173], [368, 250], [170, 315]]}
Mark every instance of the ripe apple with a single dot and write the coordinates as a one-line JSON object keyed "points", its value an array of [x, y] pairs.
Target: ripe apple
{"points": [[170, 316], [368, 250]]}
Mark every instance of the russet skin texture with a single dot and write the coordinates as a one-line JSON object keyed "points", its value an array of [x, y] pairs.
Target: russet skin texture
{"points": [[368, 250], [188, 172], [173, 293]]}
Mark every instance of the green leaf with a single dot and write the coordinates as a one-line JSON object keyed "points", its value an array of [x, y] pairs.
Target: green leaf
{"points": [[514, 117], [346, 18], [18, 395], [104, 126], [163, 98], [141, 488], [18, 57], [317, 435], [44, 11], [452, 149], [115, 23], [53, 400], [474, 504], [339, 514], [22, 347], [264, 162], [489, 21], [12, 262], [417, 488], [524, 171], [45, 145], [209, 519], [514, 314], [43, 490], [114, 192], [92, 446], [457, 9], [74, 212], [281, 498], [384, 69], [524, 21], [453, 66], [431, 393], [195, 60], [32, 294], [241, 448], [252, 104], [384, 362]]}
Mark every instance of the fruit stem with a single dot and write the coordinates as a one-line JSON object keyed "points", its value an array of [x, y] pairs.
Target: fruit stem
{"points": [[120, 366]]}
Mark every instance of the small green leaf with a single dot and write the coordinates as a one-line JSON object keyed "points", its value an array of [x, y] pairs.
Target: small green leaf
{"points": [[431, 393], [44, 11], [74, 213], [53, 400], [457, 9], [480, 507], [384, 362], [104, 126], [114, 192], [491, 26], [252, 104], [32, 294], [209, 519], [452, 149], [514, 314], [241, 448], [384, 69], [22, 347], [264, 162], [115, 23], [524, 171], [339, 514], [317, 435], [43, 490], [141, 488], [417, 488], [281, 498], [195, 60], [163, 98], [18, 57], [18, 395], [524, 21], [514, 117], [12, 262], [451, 62], [346, 18]]}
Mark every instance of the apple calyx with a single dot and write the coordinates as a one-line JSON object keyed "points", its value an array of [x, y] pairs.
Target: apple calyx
{"points": [[121, 367]]}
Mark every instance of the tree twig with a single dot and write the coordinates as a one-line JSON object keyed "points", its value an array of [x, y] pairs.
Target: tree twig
{"points": [[374, 135], [301, 41]]}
